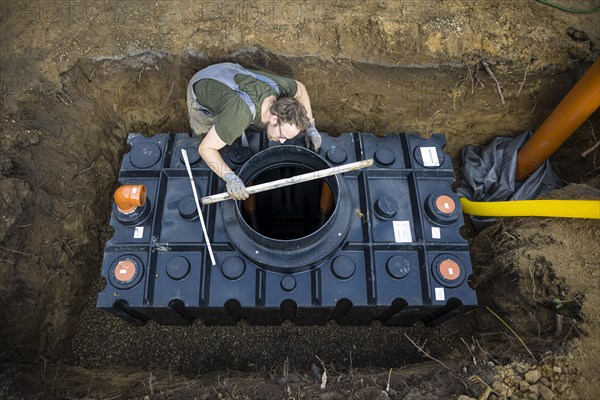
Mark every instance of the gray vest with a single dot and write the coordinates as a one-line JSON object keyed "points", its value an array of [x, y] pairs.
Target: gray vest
{"points": [[225, 73]]}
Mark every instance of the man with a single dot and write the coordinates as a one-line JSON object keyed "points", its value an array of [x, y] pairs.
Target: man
{"points": [[225, 99]]}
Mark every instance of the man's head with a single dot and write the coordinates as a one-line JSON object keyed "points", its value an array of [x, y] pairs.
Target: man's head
{"points": [[287, 119]]}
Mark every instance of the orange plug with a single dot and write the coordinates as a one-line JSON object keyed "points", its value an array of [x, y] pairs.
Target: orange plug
{"points": [[130, 197]]}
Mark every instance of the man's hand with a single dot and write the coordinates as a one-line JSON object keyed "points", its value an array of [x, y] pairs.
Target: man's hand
{"points": [[235, 187], [313, 137]]}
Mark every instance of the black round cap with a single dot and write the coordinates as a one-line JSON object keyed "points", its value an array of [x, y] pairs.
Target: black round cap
{"points": [[239, 155], [385, 157], [386, 206], [178, 268], [336, 155], [187, 207], [288, 283], [193, 155], [343, 267], [233, 268], [397, 267], [144, 155]]}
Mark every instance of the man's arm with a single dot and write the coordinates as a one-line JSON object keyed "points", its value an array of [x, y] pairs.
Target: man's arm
{"points": [[209, 151], [302, 97], [313, 137]]}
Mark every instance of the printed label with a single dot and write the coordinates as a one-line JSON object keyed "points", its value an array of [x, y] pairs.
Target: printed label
{"points": [[134, 190], [402, 232], [430, 157], [138, 233], [439, 294], [435, 232]]}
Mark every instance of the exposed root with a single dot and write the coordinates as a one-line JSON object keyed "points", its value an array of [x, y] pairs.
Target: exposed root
{"points": [[489, 71], [425, 353], [488, 390], [591, 149], [524, 78], [513, 332]]}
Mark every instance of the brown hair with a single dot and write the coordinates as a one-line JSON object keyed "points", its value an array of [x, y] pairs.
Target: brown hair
{"points": [[290, 111]]}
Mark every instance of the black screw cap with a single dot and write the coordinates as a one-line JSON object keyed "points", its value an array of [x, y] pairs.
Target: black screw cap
{"points": [[386, 206], [178, 268], [288, 283], [239, 155], [187, 208], [384, 157], [343, 267], [193, 155], [233, 268], [397, 267], [336, 155], [144, 155]]}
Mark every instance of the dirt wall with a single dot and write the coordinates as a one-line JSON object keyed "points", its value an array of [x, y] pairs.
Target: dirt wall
{"points": [[77, 133]]}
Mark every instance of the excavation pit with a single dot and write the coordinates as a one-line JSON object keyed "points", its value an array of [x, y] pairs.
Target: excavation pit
{"points": [[81, 149]]}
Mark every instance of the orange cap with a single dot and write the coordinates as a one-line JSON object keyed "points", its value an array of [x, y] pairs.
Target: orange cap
{"points": [[445, 204], [449, 269], [129, 197], [125, 271]]}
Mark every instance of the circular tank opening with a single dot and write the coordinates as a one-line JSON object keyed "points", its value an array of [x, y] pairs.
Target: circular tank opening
{"points": [[290, 212], [294, 228]]}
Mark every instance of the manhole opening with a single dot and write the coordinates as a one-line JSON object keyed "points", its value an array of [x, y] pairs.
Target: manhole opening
{"points": [[290, 212]]}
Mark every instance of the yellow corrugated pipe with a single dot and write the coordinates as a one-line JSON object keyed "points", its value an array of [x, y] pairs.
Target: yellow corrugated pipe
{"points": [[533, 208]]}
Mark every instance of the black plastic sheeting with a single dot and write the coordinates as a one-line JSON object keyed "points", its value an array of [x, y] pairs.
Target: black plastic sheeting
{"points": [[488, 174]]}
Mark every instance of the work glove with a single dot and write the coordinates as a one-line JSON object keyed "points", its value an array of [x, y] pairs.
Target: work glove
{"points": [[235, 187], [313, 137]]}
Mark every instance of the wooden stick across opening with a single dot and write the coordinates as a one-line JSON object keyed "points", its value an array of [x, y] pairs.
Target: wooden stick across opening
{"points": [[310, 176]]}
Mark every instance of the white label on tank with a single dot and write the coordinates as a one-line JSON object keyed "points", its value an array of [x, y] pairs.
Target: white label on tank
{"points": [[402, 232], [123, 271], [134, 190], [430, 157], [435, 232], [439, 294], [138, 233]]}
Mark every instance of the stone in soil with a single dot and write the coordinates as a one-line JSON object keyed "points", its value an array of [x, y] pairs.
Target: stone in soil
{"points": [[533, 376], [546, 393]]}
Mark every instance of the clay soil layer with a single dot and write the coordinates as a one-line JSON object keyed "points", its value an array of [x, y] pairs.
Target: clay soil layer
{"points": [[78, 76]]}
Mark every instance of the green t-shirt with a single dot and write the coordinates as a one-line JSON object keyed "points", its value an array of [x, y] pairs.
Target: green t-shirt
{"points": [[233, 115]]}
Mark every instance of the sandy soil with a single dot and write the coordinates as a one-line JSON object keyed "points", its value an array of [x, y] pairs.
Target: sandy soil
{"points": [[76, 77], [555, 264]]}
